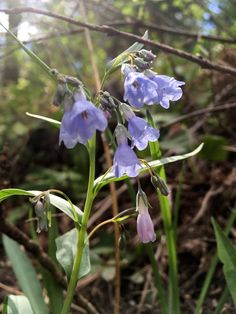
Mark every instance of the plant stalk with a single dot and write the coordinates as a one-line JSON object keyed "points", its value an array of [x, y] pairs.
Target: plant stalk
{"points": [[83, 229], [173, 289]]}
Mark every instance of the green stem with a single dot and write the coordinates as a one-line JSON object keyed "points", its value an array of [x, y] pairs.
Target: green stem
{"points": [[223, 298], [157, 278], [83, 229], [174, 304], [32, 55], [98, 227]]}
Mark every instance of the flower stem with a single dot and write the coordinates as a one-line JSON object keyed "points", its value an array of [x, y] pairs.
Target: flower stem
{"points": [[173, 289], [157, 278], [83, 229]]}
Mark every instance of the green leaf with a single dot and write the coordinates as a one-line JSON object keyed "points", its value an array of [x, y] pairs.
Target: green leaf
{"points": [[66, 252], [4, 194], [54, 122], [105, 179], [227, 255], [54, 290], [55, 200], [25, 275], [17, 304], [124, 56]]}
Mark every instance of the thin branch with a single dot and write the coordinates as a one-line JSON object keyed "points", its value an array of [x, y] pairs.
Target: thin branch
{"points": [[200, 112], [170, 30], [204, 63]]}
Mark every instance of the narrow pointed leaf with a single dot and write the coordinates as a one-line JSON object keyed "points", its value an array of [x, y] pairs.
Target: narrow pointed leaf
{"points": [[227, 255], [25, 274], [105, 179], [54, 122], [55, 200], [124, 56]]}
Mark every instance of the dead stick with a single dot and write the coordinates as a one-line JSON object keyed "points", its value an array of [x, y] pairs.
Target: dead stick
{"points": [[204, 63]]}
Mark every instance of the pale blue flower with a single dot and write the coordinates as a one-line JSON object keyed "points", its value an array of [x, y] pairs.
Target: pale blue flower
{"points": [[168, 89], [125, 160], [80, 122], [140, 90], [145, 227], [141, 132]]}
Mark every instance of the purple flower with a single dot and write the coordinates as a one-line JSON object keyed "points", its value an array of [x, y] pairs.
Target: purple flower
{"points": [[140, 90], [80, 122], [141, 132], [168, 89], [145, 226], [125, 160]]}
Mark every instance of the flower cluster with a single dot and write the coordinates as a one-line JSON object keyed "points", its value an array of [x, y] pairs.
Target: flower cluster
{"points": [[142, 87]]}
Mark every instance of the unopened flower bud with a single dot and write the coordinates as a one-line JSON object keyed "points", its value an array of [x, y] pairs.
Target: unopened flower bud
{"points": [[146, 55], [126, 111], [160, 184], [145, 227], [40, 208], [121, 134], [42, 224], [60, 93], [106, 101], [141, 64]]}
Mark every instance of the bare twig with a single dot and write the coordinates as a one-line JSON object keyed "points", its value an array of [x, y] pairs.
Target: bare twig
{"points": [[200, 112], [173, 31], [204, 63], [10, 289], [205, 203]]}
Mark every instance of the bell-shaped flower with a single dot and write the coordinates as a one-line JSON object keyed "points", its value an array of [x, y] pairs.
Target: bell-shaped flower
{"points": [[139, 90], [80, 122], [145, 227], [125, 160], [141, 132], [168, 89]]}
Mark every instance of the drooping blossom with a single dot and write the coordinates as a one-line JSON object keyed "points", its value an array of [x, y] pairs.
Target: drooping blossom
{"points": [[145, 227], [80, 121], [139, 130], [141, 133], [125, 160], [140, 90], [168, 89]]}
